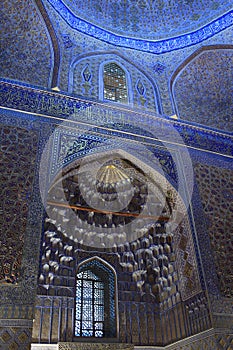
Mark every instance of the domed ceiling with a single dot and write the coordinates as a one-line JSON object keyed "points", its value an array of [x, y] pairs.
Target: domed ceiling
{"points": [[149, 19]]}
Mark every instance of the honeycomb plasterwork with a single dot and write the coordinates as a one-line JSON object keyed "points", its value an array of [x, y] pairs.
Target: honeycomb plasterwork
{"points": [[71, 145], [57, 283], [215, 186], [151, 259]]}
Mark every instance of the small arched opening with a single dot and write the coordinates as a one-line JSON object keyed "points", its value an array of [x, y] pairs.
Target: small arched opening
{"points": [[95, 303]]}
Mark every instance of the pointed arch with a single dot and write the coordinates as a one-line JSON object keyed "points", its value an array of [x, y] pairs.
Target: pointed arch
{"points": [[131, 69], [184, 65], [114, 82], [96, 313], [54, 45]]}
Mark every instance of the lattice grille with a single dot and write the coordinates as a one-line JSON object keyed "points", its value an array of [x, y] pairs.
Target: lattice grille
{"points": [[115, 87], [89, 305], [95, 303]]}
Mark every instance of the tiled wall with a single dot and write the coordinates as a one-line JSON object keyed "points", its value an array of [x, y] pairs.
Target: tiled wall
{"points": [[202, 92], [25, 48], [215, 187]]}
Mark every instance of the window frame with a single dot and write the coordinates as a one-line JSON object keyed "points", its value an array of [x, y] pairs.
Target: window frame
{"points": [[111, 297], [128, 83]]}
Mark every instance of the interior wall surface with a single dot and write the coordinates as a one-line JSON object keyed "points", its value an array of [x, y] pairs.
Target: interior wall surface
{"points": [[210, 307], [174, 277]]}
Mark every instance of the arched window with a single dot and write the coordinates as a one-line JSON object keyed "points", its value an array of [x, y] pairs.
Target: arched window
{"points": [[95, 314], [115, 84]]}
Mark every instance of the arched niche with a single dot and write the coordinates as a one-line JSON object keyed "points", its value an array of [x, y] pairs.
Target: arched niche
{"points": [[149, 239], [202, 87], [93, 88], [96, 311]]}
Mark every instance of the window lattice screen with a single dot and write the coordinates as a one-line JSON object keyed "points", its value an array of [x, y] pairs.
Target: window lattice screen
{"points": [[115, 86], [95, 301], [89, 305]]}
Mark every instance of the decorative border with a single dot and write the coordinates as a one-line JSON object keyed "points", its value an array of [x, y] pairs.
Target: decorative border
{"points": [[94, 346], [16, 323], [157, 47], [114, 119]]}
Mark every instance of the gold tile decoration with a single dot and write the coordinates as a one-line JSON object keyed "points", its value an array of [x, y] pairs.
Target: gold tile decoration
{"points": [[186, 260], [13, 346], [224, 341], [5, 337], [23, 337], [183, 242], [15, 338]]}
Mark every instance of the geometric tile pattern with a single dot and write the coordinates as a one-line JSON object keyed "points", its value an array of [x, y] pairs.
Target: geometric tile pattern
{"points": [[15, 338], [17, 170], [145, 19], [215, 188], [32, 100], [202, 92], [186, 260], [211, 342], [24, 44], [142, 45], [225, 342], [29, 26]]}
